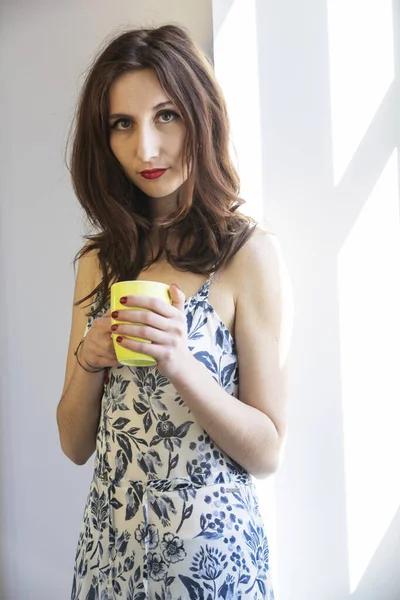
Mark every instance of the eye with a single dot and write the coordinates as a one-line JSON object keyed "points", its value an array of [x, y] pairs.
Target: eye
{"points": [[163, 113], [114, 125], [169, 113]]}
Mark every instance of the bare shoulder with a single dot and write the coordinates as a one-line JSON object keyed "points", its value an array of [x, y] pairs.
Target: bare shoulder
{"points": [[87, 278], [89, 271], [260, 257], [263, 289], [90, 260]]}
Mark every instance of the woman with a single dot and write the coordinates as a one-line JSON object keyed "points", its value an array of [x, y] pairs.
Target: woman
{"points": [[172, 511]]}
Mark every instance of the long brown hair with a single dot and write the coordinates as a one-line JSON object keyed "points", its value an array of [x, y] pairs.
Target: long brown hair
{"points": [[207, 223]]}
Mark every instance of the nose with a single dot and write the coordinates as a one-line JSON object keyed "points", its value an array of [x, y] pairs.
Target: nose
{"points": [[147, 144]]}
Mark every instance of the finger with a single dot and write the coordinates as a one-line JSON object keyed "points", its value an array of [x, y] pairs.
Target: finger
{"points": [[153, 350], [105, 320], [145, 317], [142, 331], [157, 305], [177, 296]]}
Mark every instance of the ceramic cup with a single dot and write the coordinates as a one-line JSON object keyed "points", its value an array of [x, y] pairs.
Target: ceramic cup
{"points": [[138, 288]]}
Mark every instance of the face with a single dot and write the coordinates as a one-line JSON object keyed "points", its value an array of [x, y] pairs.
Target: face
{"points": [[144, 136]]}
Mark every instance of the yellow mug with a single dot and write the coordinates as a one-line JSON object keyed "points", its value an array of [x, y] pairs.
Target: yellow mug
{"points": [[126, 356]]}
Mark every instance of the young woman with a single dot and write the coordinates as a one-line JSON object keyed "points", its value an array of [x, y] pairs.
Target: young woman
{"points": [[172, 511]]}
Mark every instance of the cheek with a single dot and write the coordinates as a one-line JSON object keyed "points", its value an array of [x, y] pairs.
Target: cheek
{"points": [[174, 143], [118, 148]]}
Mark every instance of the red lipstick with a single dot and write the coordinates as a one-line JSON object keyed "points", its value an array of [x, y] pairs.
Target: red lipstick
{"points": [[153, 173]]}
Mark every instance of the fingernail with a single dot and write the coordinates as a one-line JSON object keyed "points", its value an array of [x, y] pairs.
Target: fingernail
{"points": [[123, 299], [114, 327], [119, 339], [114, 314], [176, 285]]}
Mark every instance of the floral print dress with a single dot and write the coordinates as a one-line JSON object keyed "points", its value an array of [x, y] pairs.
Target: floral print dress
{"points": [[169, 516]]}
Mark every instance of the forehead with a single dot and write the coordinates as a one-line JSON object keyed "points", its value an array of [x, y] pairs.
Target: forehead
{"points": [[136, 90]]}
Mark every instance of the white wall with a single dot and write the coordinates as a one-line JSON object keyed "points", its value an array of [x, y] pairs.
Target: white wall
{"points": [[331, 227], [45, 47], [321, 80]]}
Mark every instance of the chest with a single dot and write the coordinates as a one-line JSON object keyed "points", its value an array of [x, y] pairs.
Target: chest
{"points": [[221, 297]]}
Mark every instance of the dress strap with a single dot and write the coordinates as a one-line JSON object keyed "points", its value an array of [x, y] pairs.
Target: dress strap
{"points": [[207, 285], [211, 277], [202, 293]]}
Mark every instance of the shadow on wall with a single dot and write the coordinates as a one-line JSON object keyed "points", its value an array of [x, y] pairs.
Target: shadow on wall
{"points": [[220, 12], [370, 584], [319, 217]]}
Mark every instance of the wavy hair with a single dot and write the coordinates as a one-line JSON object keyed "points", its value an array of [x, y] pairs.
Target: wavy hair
{"points": [[207, 221]]}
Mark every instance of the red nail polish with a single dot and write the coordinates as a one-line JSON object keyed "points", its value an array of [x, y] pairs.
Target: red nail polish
{"points": [[176, 285], [119, 339], [123, 300], [114, 327], [114, 314]]}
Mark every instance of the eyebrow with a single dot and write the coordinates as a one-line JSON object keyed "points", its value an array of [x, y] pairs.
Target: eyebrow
{"points": [[126, 116]]}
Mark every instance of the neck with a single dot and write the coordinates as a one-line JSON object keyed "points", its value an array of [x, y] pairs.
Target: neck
{"points": [[153, 244]]}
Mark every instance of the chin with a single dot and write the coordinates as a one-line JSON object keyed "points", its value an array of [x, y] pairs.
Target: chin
{"points": [[162, 192]]}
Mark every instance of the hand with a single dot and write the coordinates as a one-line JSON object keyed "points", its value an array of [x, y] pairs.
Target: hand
{"points": [[97, 350], [165, 326]]}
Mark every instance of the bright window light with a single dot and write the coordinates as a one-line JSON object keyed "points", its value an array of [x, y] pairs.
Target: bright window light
{"points": [[236, 68], [369, 317], [361, 70]]}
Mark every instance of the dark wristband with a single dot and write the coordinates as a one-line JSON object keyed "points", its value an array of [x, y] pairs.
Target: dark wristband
{"points": [[81, 365]]}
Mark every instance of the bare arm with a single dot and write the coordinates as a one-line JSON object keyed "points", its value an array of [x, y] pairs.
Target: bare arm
{"points": [[252, 429], [244, 433], [78, 414], [78, 411]]}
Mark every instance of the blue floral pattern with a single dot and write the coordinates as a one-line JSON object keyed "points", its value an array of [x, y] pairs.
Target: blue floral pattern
{"points": [[169, 516]]}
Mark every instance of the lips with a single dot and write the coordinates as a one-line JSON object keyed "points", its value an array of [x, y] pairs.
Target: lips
{"points": [[153, 173]]}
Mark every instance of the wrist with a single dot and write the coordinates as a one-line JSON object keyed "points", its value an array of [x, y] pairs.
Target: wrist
{"points": [[92, 368], [183, 371], [83, 363]]}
